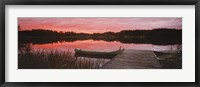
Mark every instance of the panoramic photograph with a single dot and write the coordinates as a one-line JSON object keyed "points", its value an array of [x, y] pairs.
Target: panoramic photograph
{"points": [[99, 42]]}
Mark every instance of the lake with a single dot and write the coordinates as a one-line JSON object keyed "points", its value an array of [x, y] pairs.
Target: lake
{"points": [[100, 45], [50, 55]]}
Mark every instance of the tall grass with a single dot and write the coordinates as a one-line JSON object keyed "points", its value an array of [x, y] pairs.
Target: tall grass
{"points": [[55, 59]]}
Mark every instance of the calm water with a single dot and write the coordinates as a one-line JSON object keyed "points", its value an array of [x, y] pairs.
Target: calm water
{"points": [[101, 46], [94, 45]]}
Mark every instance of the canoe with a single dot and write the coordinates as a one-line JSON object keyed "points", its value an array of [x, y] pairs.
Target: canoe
{"points": [[95, 54]]}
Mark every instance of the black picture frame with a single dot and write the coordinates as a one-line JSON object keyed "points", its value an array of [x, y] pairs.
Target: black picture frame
{"points": [[98, 2]]}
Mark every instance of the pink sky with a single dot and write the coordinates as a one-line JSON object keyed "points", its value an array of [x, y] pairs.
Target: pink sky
{"points": [[94, 25]]}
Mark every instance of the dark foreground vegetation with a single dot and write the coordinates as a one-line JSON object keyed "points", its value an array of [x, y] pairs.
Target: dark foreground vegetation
{"points": [[160, 36], [55, 59]]}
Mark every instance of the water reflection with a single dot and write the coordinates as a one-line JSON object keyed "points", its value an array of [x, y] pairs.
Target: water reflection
{"points": [[102, 46]]}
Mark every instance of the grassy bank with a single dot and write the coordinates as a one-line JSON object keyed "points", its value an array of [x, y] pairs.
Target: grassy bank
{"points": [[170, 60], [54, 59]]}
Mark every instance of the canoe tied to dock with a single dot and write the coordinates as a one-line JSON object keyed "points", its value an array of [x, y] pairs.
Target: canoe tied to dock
{"points": [[95, 54]]}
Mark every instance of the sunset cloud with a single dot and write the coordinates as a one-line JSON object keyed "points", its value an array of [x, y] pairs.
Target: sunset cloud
{"points": [[94, 25]]}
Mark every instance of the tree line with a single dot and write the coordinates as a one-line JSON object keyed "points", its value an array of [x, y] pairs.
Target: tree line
{"points": [[160, 36]]}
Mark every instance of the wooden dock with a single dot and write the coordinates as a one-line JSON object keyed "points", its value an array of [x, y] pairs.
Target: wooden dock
{"points": [[133, 59]]}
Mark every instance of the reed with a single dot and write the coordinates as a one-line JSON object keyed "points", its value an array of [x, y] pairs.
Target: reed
{"points": [[55, 59]]}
